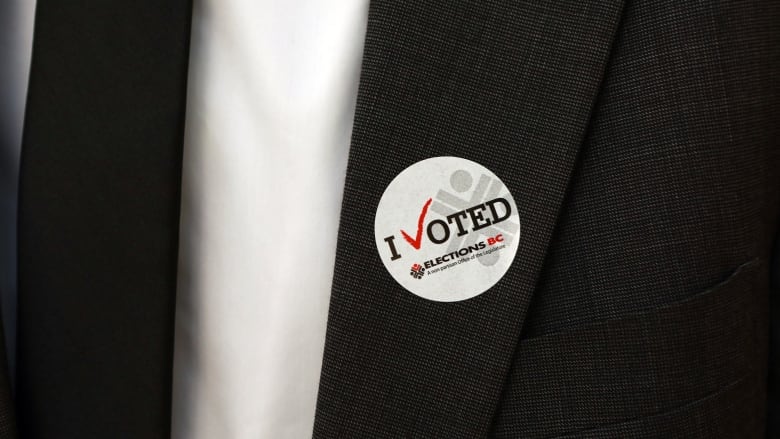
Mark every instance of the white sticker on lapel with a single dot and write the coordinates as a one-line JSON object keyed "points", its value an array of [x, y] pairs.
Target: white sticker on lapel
{"points": [[447, 229]]}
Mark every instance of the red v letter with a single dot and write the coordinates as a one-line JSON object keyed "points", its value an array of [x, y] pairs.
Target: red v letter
{"points": [[417, 241]]}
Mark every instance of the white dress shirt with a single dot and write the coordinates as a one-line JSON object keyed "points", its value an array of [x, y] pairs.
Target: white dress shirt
{"points": [[272, 88]]}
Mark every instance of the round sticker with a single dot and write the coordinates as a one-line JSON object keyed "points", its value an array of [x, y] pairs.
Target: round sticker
{"points": [[447, 229]]}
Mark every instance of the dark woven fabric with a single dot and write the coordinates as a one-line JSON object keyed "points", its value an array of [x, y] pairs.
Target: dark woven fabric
{"points": [[649, 317], [509, 85], [98, 218], [7, 415], [677, 185], [773, 400], [648, 371]]}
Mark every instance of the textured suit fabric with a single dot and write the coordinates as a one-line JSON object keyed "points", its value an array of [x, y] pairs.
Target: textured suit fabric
{"points": [[773, 400], [509, 85], [649, 317], [98, 218], [7, 411], [677, 186]]}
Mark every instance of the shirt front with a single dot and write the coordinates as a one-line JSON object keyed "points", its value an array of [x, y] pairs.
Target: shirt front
{"points": [[272, 88]]}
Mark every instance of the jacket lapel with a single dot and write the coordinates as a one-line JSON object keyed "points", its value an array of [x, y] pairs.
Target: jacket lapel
{"points": [[98, 218], [510, 85]]}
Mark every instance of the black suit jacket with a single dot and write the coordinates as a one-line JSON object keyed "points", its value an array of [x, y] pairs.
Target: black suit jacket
{"points": [[639, 138]]}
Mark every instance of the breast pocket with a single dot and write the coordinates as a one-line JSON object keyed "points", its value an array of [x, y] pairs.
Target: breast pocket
{"points": [[686, 369]]}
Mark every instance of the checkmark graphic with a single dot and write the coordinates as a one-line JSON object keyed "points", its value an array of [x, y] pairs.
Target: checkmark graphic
{"points": [[417, 241]]}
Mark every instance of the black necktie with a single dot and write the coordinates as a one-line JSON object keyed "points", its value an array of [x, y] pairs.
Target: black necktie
{"points": [[98, 218]]}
